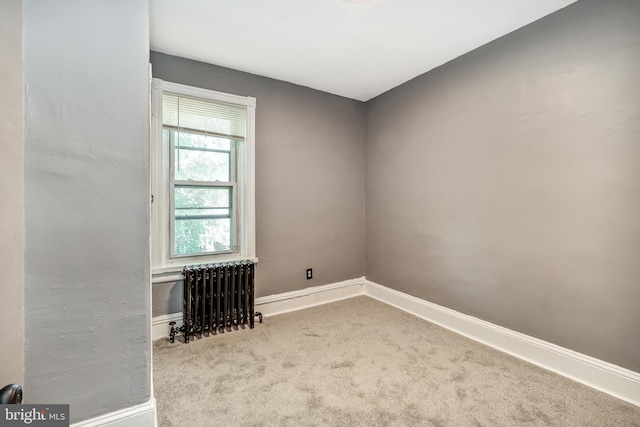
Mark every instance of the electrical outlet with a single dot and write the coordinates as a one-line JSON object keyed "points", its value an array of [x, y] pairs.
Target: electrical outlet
{"points": [[309, 273]]}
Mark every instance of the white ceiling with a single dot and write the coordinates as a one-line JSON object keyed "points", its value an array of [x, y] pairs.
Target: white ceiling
{"points": [[354, 50]]}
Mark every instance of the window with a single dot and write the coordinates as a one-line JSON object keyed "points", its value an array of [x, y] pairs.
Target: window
{"points": [[202, 155]]}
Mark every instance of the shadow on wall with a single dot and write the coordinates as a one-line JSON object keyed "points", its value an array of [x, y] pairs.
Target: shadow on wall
{"points": [[167, 298]]}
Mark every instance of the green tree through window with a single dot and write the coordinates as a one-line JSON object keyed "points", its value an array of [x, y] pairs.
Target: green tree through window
{"points": [[203, 192]]}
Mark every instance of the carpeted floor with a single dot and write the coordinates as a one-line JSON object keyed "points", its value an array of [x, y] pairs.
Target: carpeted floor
{"points": [[360, 362]]}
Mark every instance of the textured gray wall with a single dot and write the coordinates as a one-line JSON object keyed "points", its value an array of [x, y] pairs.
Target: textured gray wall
{"points": [[11, 194], [506, 183], [87, 267], [309, 178]]}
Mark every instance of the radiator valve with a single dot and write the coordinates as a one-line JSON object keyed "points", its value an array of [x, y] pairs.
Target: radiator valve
{"points": [[259, 316], [175, 331]]}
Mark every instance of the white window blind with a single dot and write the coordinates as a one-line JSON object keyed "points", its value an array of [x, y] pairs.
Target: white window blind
{"points": [[211, 118]]}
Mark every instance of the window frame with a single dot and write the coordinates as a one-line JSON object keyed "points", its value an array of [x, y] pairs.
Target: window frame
{"points": [[163, 260]]}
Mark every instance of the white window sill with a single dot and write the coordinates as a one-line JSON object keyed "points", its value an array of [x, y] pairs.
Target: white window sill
{"points": [[172, 273]]}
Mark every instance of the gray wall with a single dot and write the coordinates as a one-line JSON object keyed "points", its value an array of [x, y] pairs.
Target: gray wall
{"points": [[11, 194], [86, 205], [309, 178], [506, 183]]}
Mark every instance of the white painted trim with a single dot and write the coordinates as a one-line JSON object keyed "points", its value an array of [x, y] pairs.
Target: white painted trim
{"points": [[174, 273], [150, 251], [248, 191], [198, 92], [606, 377], [280, 303], [155, 409], [143, 415], [159, 179], [310, 297], [160, 325]]}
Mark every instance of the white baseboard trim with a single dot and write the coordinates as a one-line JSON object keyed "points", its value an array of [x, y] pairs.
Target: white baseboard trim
{"points": [[143, 415], [310, 297], [280, 303], [606, 377]]}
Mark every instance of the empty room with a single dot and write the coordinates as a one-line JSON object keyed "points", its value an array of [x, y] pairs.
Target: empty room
{"points": [[338, 212]]}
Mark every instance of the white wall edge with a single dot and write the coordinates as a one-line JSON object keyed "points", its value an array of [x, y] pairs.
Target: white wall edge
{"points": [[143, 415], [619, 382]]}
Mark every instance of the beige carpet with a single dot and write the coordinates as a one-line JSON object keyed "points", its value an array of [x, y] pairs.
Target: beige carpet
{"points": [[360, 362]]}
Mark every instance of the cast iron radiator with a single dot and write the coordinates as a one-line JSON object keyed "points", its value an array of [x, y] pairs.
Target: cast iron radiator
{"points": [[216, 297]]}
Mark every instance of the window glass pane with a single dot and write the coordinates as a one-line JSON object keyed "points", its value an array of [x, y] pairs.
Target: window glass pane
{"points": [[202, 219], [194, 236], [200, 157], [201, 198], [198, 165]]}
